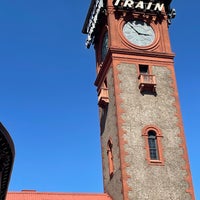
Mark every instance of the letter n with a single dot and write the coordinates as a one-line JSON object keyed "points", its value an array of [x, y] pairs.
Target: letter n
{"points": [[159, 7]]}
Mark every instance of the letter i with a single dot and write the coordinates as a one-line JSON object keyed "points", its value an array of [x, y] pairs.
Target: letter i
{"points": [[117, 2]]}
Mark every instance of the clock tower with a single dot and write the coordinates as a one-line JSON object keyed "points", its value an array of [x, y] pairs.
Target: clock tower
{"points": [[144, 152]]}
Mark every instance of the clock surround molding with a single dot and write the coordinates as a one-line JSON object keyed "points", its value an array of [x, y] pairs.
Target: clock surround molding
{"points": [[128, 44]]}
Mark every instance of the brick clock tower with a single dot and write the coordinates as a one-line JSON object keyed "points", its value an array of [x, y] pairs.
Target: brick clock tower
{"points": [[144, 151]]}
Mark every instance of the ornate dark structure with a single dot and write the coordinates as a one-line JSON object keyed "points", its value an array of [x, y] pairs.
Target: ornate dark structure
{"points": [[7, 154]]}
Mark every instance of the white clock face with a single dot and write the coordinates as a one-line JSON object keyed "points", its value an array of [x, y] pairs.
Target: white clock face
{"points": [[139, 33]]}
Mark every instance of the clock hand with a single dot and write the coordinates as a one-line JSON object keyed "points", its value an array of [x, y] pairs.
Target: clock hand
{"points": [[131, 25], [146, 34]]}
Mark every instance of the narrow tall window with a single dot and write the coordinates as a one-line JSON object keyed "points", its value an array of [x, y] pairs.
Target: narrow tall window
{"points": [[110, 158], [103, 117], [153, 146]]}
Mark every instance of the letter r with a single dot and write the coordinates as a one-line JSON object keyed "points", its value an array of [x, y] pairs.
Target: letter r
{"points": [[128, 3]]}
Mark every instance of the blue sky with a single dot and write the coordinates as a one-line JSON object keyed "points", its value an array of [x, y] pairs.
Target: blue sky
{"points": [[48, 101]]}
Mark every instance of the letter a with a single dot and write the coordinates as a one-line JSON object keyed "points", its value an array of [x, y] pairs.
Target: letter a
{"points": [[140, 5]]}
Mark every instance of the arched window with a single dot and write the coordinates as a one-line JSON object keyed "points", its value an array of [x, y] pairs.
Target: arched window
{"points": [[153, 145]]}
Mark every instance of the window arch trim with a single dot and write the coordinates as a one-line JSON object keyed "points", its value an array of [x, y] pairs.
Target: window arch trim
{"points": [[158, 134]]}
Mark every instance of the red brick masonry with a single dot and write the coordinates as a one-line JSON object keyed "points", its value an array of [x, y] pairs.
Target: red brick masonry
{"points": [[33, 195]]}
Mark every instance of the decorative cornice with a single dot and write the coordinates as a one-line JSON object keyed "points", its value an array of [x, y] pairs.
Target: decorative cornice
{"points": [[147, 53], [92, 18]]}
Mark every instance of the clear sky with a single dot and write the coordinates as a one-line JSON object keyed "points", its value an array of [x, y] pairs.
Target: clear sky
{"points": [[48, 101]]}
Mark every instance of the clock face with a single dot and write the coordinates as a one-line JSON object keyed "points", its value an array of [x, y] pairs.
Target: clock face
{"points": [[104, 48], [139, 33]]}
